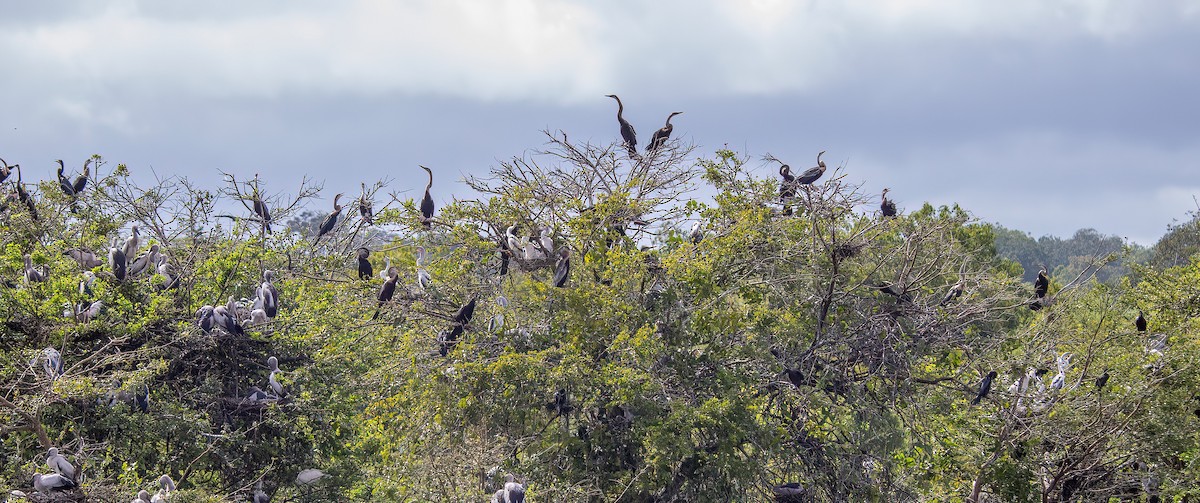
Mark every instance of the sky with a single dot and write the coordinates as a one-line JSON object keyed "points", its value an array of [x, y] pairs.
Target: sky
{"points": [[1042, 116]]}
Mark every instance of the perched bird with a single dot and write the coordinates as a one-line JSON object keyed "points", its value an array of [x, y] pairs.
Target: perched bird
{"points": [[627, 132], [466, 312], [143, 496], [205, 319], [697, 233], [64, 183], [273, 363], [504, 258], [5, 170], [365, 271], [227, 320], [811, 175], [887, 207], [268, 294], [954, 293], [260, 209], [562, 269], [387, 266], [561, 403], [791, 492], [1041, 285], [143, 262], [1101, 381], [310, 475], [427, 202], [116, 261], [1140, 321], [387, 290], [423, 278], [32, 274], [51, 482], [165, 486], [52, 363], [59, 464], [256, 394], [86, 258], [514, 492], [131, 243], [80, 182], [787, 187], [985, 387], [259, 495], [330, 220], [364, 207], [662, 135]]}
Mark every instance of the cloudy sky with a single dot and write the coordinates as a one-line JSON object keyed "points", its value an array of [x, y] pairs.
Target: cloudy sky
{"points": [[1046, 116]]}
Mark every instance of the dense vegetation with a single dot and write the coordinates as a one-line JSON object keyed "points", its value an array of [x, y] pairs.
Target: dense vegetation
{"points": [[699, 351]]}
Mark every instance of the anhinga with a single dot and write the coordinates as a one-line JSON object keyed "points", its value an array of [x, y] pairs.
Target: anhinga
{"points": [[787, 188], [1140, 321], [365, 271], [117, 260], [427, 202], [811, 175], [954, 293], [364, 207], [5, 170], [260, 209], [1041, 286], [64, 183], [887, 207], [1101, 381], [23, 195], [466, 312], [985, 387], [331, 220], [387, 290], [662, 135], [81, 180], [627, 132], [562, 270]]}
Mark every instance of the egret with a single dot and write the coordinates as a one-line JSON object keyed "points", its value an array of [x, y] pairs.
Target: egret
{"points": [[205, 319], [662, 135], [273, 363], [1140, 321], [51, 482], [269, 294], [427, 202], [33, 275], [330, 220], [811, 175], [116, 260], [887, 207], [131, 244], [59, 464], [387, 290], [562, 269], [143, 262], [627, 132], [365, 271], [387, 266], [364, 207], [52, 363], [985, 387], [310, 475]]}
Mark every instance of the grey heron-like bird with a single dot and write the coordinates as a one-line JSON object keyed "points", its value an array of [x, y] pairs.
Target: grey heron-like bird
{"points": [[811, 175], [309, 476], [269, 294], [514, 492], [427, 202], [51, 482], [256, 394], [364, 207], [276, 386], [420, 256], [661, 136], [985, 387], [165, 486], [365, 271], [32, 274], [143, 496], [52, 363], [59, 464], [143, 262], [424, 279], [887, 207], [85, 258], [496, 325], [791, 492], [227, 321], [387, 290], [562, 269], [257, 317], [117, 260], [205, 319], [330, 220], [628, 134], [131, 243], [260, 496]]}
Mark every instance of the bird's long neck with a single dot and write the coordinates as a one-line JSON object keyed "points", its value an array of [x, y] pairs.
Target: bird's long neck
{"points": [[620, 107], [430, 184]]}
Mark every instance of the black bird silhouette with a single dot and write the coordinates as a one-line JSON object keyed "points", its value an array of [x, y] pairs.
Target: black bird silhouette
{"points": [[81, 180], [365, 271], [1041, 285], [1140, 322], [5, 170], [954, 293], [387, 290], [260, 209], [811, 175], [985, 387], [64, 183], [787, 188], [887, 207], [1101, 381], [627, 132], [364, 207], [427, 202], [331, 220], [662, 135], [562, 270]]}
